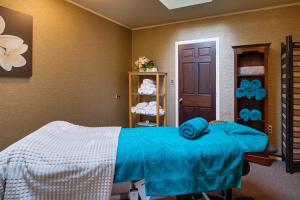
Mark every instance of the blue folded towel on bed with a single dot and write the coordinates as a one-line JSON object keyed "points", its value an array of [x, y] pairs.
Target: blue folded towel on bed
{"points": [[240, 92], [260, 94], [245, 114], [256, 84], [193, 128], [245, 84], [255, 115]]}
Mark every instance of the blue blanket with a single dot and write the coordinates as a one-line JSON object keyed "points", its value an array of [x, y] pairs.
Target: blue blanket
{"points": [[173, 165]]}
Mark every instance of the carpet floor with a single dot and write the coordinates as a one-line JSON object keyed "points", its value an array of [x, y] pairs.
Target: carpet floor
{"points": [[270, 183]]}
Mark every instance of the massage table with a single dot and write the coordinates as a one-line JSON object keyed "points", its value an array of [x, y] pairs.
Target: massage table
{"points": [[178, 166], [172, 165]]}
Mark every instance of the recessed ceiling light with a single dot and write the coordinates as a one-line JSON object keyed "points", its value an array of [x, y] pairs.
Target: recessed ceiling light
{"points": [[173, 4]]}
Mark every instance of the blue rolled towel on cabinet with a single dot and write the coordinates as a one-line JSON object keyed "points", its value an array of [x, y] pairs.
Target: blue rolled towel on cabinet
{"points": [[194, 128], [245, 84], [251, 90], [240, 93], [256, 84], [255, 115], [260, 94], [250, 93], [245, 114]]}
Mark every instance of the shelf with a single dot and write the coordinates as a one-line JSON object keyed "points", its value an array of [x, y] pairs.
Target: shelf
{"points": [[155, 119], [250, 63], [147, 115], [145, 124], [262, 121], [251, 75], [152, 95], [148, 73]]}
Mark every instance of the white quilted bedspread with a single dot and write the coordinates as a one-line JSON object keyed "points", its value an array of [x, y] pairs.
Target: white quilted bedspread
{"points": [[60, 161]]}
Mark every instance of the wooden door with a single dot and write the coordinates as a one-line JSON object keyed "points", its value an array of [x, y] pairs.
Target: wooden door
{"points": [[197, 81]]}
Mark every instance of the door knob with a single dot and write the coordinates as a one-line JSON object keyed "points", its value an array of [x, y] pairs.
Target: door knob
{"points": [[180, 100]]}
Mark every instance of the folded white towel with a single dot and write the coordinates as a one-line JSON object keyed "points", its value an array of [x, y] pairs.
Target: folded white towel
{"points": [[251, 70], [147, 81]]}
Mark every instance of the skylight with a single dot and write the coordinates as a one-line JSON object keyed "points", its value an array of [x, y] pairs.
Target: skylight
{"points": [[173, 4]]}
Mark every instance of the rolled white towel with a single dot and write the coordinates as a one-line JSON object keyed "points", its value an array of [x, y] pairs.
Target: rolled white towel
{"points": [[140, 91], [149, 91], [162, 111], [147, 108], [152, 103], [153, 112], [133, 109], [141, 105], [149, 112], [147, 86]]}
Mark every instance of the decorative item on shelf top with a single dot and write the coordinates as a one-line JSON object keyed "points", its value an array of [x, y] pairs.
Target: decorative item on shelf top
{"points": [[148, 87], [146, 108], [251, 89], [144, 64]]}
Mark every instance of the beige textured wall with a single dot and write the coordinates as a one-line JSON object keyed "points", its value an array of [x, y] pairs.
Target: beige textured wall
{"points": [[259, 27], [79, 61]]}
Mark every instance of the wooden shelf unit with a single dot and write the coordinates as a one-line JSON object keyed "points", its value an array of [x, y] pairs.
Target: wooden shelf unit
{"points": [[135, 79], [250, 56]]}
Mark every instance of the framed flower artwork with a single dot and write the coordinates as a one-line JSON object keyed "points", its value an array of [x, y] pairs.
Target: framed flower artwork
{"points": [[15, 43]]}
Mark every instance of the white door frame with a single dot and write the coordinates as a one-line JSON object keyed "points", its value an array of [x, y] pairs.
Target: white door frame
{"points": [[217, 73]]}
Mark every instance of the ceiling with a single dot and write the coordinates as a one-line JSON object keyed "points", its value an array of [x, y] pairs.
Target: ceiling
{"points": [[135, 14]]}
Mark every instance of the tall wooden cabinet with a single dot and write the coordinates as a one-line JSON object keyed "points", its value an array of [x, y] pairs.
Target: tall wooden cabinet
{"points": [[251, 63], [159, 117]]}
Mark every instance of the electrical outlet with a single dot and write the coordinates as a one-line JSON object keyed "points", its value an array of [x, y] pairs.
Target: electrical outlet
{"points": [[117, 96], [171, 82], [270, 129]]}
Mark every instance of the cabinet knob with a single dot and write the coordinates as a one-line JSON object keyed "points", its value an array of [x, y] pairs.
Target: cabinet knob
{"points": [[180, 100]]}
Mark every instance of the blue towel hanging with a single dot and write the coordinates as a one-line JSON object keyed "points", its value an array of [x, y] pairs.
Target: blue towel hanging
{"points": [[245, 114], [255, 115], [256, 84]]}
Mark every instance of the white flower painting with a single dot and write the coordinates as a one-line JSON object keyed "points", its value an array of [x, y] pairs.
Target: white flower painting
{"points": [[11, 49], [16, 31]]}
